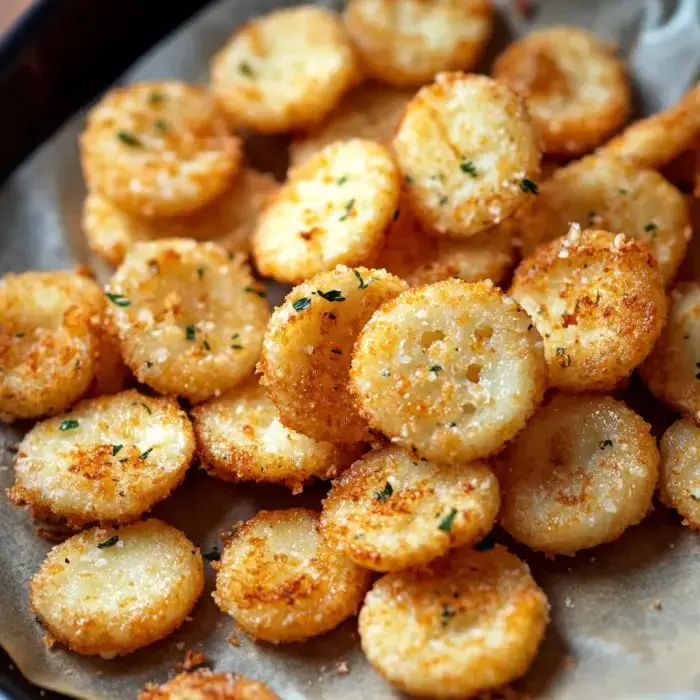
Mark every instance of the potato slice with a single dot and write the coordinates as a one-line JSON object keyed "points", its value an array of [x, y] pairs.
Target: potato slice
{"points": [[308, 346], [467, 623], [468, 153], [158, 149], [576, 87], [110, 592], [391, 510], [205, 685], [50, 338], [281, 582], [407, 42], [110, 459], [582, 471], [241, 438], [189, 317], [598, 300], [333, 211], [451, 370], [286, 70]]}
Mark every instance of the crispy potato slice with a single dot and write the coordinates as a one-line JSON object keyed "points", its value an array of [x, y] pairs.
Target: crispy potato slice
{"points": [[608, 194], [241, 438], [672, 370], [370, 111], [229, 220], [308, 346], [110, 459], [582, 471], [407, 42], [466, 623], [286, 70], [50, 338], [281, 582], [468, 153], [110, 592], [598, 300], [188, 316], [205, 685], [576, 87], [158, 149], [333, 211], [391, 510], [452, 370]]}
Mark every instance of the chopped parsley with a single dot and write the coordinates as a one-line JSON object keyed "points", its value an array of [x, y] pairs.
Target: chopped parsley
{"points": [[148, 364], [384, 493], [118, 299], [68, 425], [408, 179], [446, 614], [129, 139], [190, 332], [348, 210], [245, 68], [650, 227], [331, 295], [561, 352], [115, 449], [468, 167], [145, 454], [206, 345], [108, 543], [156, 98], [301, 304], [200, 272], [622, 190], [214, 555], [20, 335], [436, 368], [446, 523], [443, 200], [605, 443], [236, 346], [341, 180], [147, 407], [529, 186], [160, 125], [360, 282], [253, 290]]}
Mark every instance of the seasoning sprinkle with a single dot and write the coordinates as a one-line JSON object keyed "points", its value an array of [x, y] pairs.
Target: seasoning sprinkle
{"points": [[385, 493], [301, 304], [68, 425], [118, 299], [108, 543], [129, 139], [446, 523]]}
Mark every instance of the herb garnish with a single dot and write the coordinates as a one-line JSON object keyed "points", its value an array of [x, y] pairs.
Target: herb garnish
{"points": [[446, 613], [301, 304], [147, 407], [252, 290], [200, 272], [190, 332], [118, 299], [245, 68], [145, 454], [336, 351], [115, 449], [360, 282], [468, 167], [129, 139], [529, 186], [156, 98], [341, 180], [331, 295], [384, 493], [408, 179], [348, 210], [206, 345], [443, 200], [160, 125], [108, 543], [436, 368], [446, 523], [650, 227], [68, 425], [561, 352]]}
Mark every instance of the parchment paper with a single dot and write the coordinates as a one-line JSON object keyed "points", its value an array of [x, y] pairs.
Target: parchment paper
{"points": [[606, 639]]}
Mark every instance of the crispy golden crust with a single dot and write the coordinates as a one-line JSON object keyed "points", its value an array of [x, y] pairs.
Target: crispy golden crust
{"points": [[598, 300], [582, 471], [110, 592], [205, 685], [286, 70], [308, 346], [469, 622], [391, 510], [158, 149], [407, 42], [468, 153], [452, 370], [309, 590], [576, 87]]}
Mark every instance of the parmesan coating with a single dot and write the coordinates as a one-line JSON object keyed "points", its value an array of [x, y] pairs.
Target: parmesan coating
{"points": [[206, 685]]}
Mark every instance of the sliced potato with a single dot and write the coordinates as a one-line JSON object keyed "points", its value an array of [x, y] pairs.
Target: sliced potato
{"points": [[308, 346], [158, 149], [50, 339], [606, 193], [241, 438], [391, 510], [189, 317], [407, 42], [281, 582], [110, 592], [468, 153], [598, 300], [576, 87], [333, 211], [469, 622], [286, 70], [109, 460], [206, 685], [582, 471], [452, 370], [229, 220]]}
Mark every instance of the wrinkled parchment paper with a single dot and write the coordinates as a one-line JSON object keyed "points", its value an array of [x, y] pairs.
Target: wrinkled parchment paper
{"points": [[608, 638]]}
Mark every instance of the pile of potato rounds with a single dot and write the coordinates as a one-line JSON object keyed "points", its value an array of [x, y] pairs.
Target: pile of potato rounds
{"points": [[465, 320]]}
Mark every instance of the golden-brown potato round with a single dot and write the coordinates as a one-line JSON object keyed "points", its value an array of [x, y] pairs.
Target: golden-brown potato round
{"points": [[333, 211], [229, 220], [110, 592], [608, 194], [469, 622], [598, 300], [407, 42], [576, 87], [370, 111], [281, 582], [308, 346], [452, 370], [189, 317], [241, 438], [672, 370], [158, 149], [582, 471], [109, 459], [468, 153], [392, 510], [286, 70], [206, 685], [49, 341]]}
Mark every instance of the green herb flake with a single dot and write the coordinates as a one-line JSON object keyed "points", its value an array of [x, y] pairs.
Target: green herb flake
{"points": [[360, 282], [156, 98], [145, 454], [68, 425], [190, 332], [605, 443], [341, 180], [160, 125], [408, 179], [446, 523], [387, 491], [301, 304], [108, 543], [236, 346], [129, 139], [468, 167], [348, 210], [246, 69], [200, 272], [115, 449], [118, 299], [148, 364], [651, 227], [443, 200], [254, 290], [206, 345], [561, 352], [446, 614], [622, 190], [147, 407], [528, 186], [331, 295], [436, 368]]}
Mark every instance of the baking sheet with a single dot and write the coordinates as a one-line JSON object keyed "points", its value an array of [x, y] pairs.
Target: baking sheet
{"points": [[608, 636]]}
